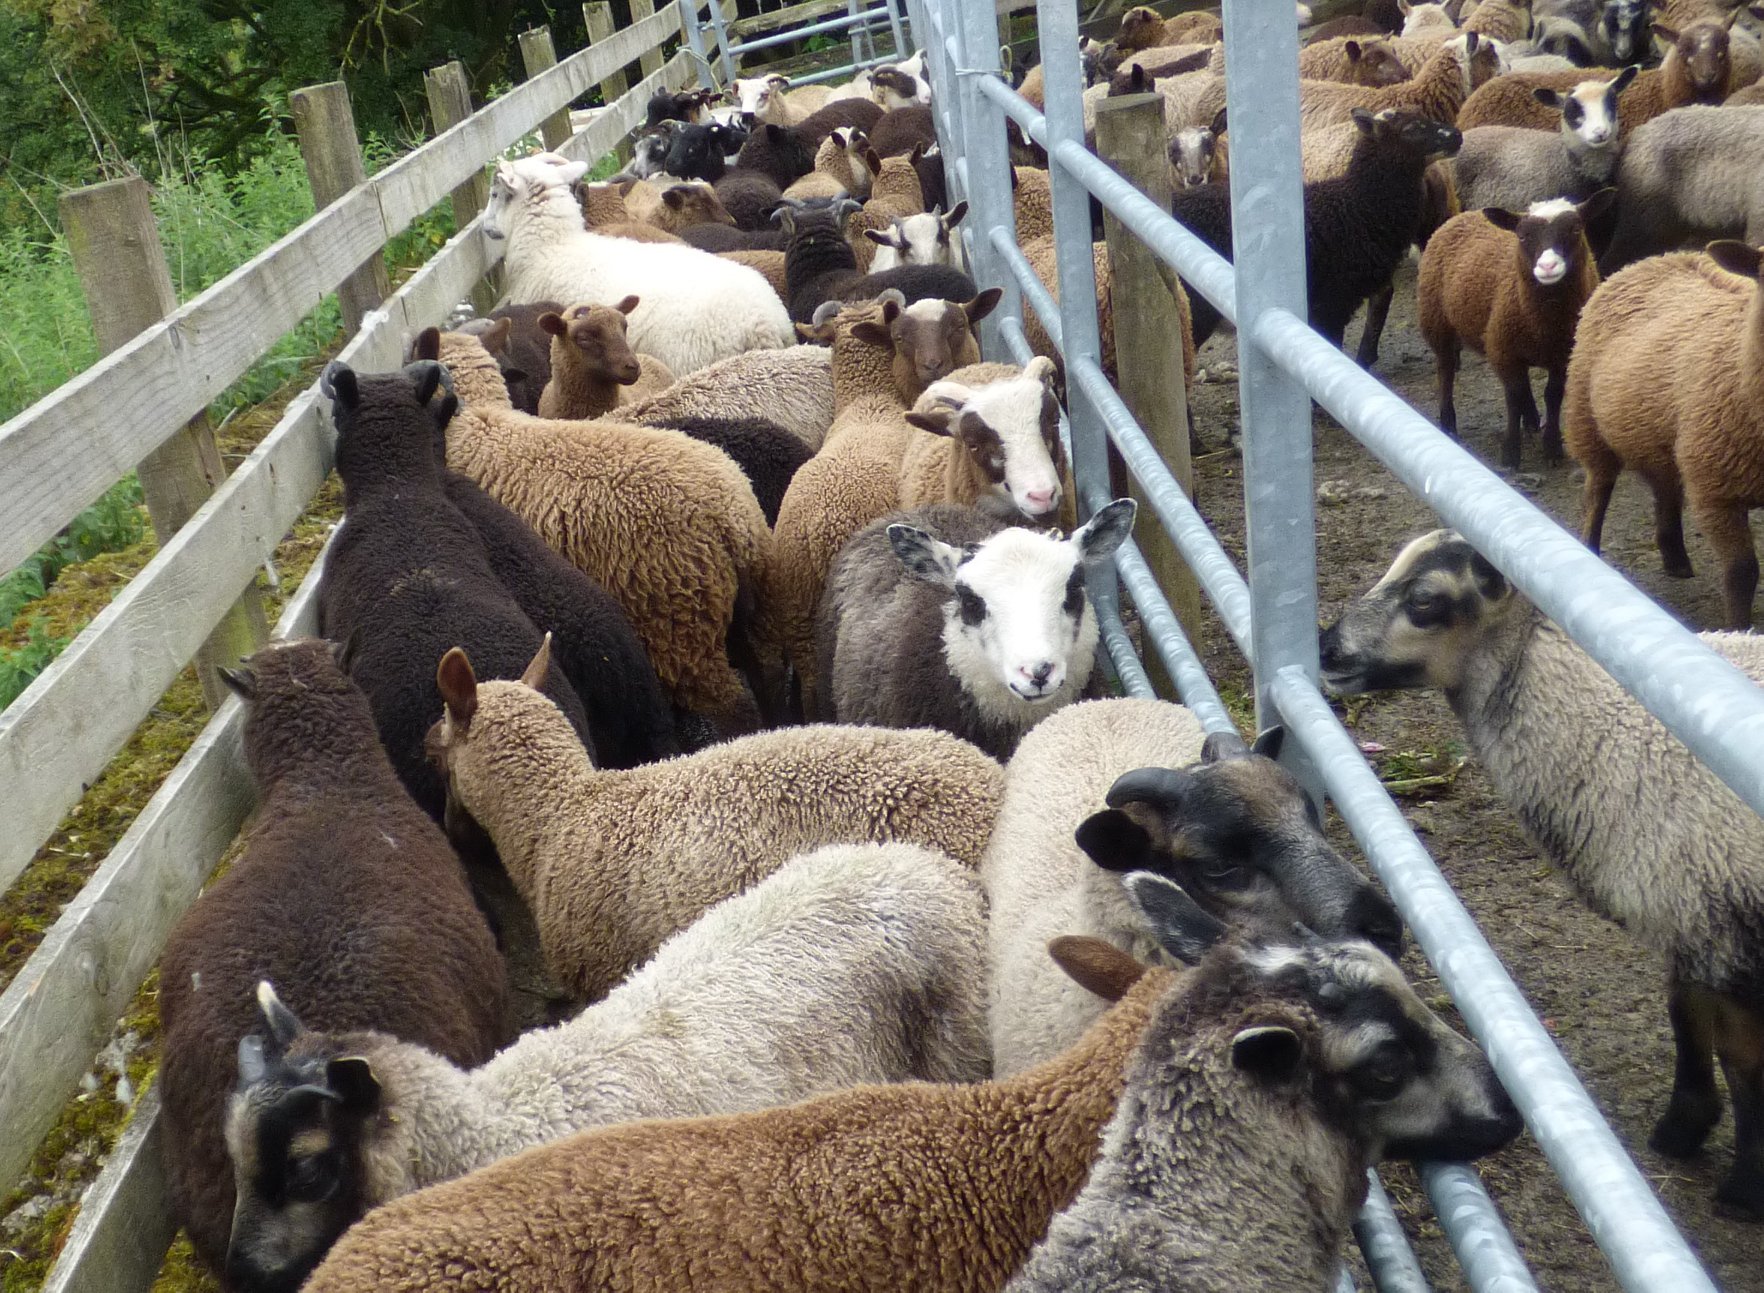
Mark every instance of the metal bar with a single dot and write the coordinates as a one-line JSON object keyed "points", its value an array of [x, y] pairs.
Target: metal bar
{"points": [[1625, 1218], [690, 29], [1023, 277], [900, 42], [1128, 669], [722, 35], [835, 73], [1160, 627], [988, 179], [1477, 1233], [796, 33], [854, 8], [1706, 702], [1389, 1258]]}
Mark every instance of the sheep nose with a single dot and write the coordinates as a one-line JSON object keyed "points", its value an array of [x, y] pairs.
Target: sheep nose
{"points": [[1037, 675], [1039, 500]]}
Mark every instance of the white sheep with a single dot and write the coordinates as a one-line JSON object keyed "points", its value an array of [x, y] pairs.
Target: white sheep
{"points": [[1110, 786], [1514, 166], [944, 617], [867, 957], [696, 308], [1644, 831], [921, 239]]}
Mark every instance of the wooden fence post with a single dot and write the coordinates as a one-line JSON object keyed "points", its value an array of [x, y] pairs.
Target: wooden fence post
{"points": [[450, 102], [1130, 136], [116, 251], [651, 61], [599, 17], [538, 54], [325, 126]]}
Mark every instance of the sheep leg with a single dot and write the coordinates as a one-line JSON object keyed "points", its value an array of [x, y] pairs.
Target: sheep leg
{"points": [[1446, 359], [1669, 525], [1377, 311], [1695, 1106], [1521, 416], [1555, 385], [1724, 523], [1740, 1043], [1602, 469]]}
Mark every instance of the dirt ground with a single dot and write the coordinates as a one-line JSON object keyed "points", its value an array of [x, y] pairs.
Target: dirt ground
{"points": [[1596, 990]]}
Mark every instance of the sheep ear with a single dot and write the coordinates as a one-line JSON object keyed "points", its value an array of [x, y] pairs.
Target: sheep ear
{"points": [[1501, 218], [343, 653], [955, 215], [1115, 841], [428, 344], [553, 323], [428, 381], [534, 674], [1491, 584], [458, 687], [1270, 1053], [1106, 531], [881, 237], [674, 198], [1546, 96], [1735, 257], [627, 305], [283, 1026], [936, 421], [1220, 746], [1664, 32], [873, 161], [352, 1078], [872, 333], [241, 682], [1183, 928], [785, 219], [982, 305], [1623, 78], [1096, 966], [495, 337], [924, 556], [1163, 788], [1364, 121], [1353, 50], [1596, 205], [1218, 126], [337, 384]]}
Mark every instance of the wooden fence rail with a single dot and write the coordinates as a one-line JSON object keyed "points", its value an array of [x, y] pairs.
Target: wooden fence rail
{"points": [[64, 1002]]}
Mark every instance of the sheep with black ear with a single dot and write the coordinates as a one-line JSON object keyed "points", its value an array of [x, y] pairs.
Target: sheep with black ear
{"points": [[922, 239], [866, 956], [1645, 832], [407, 575], [1237, 1154], [819, 264], [346, 893], [1514, 166], [1107, 787], [1198, 154], [1689, 177], [945, 617]]}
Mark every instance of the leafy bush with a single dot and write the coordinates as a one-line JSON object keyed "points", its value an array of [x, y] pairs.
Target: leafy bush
{"points": [[20, 665]]}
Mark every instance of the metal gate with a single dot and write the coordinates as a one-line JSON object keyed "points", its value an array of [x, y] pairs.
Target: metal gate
{"points": [[1272, 617]]}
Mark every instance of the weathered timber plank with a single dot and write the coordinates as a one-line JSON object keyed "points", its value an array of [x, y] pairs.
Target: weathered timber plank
{"points": [[101, 1256]]}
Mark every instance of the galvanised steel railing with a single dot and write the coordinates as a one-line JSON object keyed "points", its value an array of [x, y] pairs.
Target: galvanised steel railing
{"points": [[860, 22], [1272, 616]]}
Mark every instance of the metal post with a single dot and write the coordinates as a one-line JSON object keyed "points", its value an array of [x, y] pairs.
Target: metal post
{"points": [[694, 37], [722, 34], [900, 45], [852, 9], [990, 206], [1268, 240]]}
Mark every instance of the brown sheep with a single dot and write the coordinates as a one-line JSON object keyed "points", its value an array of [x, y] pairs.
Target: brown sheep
{"points": [[1140, 28], [602, 204], [1040, 254], [1194, 27], [1437, 91], [1503, 20], [688, 204], [1700, 318], [593, 368], [1511, 287], [894, 192], [670, 527], [1353, 61], [1697, 69]]}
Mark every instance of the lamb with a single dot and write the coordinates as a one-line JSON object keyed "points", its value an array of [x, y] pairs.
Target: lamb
{"points": [[1503, 20], [922, 239], [894, 87], [750, 197], [1515, 300], [936, 1188], [819, 264], [1230, 1161], [944, 617], [900, 130], [1511, 166], [689, 106], [1439, 88], [685, 205], [779, 153], [336, 857], [551, 256], [698, 153], [841, 155], [1647, 834], [1697, 69], [716, 1022], [1358, 227], [1353, 61], [669, 527], [1198, 155], [793, 388], [525, 353], [770, 99], [1699, 436], [1689, 176], [593, 368], [407, 575], [612, 863], [1200, 811]]}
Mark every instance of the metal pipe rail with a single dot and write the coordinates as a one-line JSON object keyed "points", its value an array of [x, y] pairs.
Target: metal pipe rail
{"points": [[865, 22], [1285, 364]]}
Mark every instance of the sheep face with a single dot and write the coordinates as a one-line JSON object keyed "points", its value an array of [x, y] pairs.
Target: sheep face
{"points": [[691, 204], [294, 1129], [893, 88], [1140, 28], [592, 337], [1703, 48], [930, 340], [1017, 619], [530, 182], [649, 155], [697, 154], [922, 239], [1408, 132], [1373, 63], [1417, 626], [1193, 151], [1624, 25], [1009, 429], [1589, 111], [1552, 237], [1239, 834], [761, 98]]}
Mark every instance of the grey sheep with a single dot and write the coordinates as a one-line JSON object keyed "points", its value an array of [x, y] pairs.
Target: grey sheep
{"points": [[1688, 177]]}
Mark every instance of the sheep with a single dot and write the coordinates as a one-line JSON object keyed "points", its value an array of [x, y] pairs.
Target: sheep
{"points": [[1198, 155], [944, 617], [768, 264], [649, 151], [1358, 226], [1689, 176], [933, 184], [895, 194], [1138, 73], [685, 205], [922, 239], [611, 863], [345, 892], [689, 106], [770, 99], [866, 955], [1700, 435], [893, 88], [593, 368], [900, 130], [1697, 69], [698, 153], [936, 1188], [1511, 166], [1437, 91], [696, 309], [768, 454], [1207, 811], [668, 526], [1514, 300], [1355, 25], [913, 283], [524, 354], [1502, 20], [884, 356], [850, 114], [1237, 1154], [819, 263], [1140, 28], [780, 154], [841, 155], [1040, 254], [1642, 829], [1195, 25], [719, 239], [793, 388], [407, 575], [749, 197], [1354, 61]]}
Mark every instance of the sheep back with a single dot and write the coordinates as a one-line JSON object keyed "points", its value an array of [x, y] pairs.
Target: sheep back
{"points": [[766, 453], [769, 265], [792, 387], [1692, 175]]}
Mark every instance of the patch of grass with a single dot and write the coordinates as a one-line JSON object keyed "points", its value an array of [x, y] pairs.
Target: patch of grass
{"points": [[1421, 772]]}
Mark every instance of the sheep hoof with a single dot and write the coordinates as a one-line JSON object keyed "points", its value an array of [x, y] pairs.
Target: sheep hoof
{"points": [[1685, 1125], [1741, 1196], [1678, 567]]}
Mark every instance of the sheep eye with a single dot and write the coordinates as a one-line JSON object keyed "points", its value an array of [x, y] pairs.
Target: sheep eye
{"points": [[311, 1180], [1384, 1076], [1427, 608], [971, 605]]}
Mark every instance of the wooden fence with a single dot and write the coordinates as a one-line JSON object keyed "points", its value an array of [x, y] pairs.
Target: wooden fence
{"points": [[59, 455]]}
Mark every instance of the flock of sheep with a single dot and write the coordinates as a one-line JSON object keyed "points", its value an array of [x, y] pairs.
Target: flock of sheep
{"points": [[715, 592]]}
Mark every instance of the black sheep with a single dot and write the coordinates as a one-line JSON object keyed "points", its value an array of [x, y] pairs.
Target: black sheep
{"points": [[933, 187], [346, 897], [780, 153], [720, 237], [900, 131], [525, 357], [860, 114], [750, 197], [819, 264], [915, 283], [697, 154], [407, 576], [1358, 226], [765, 451]]}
